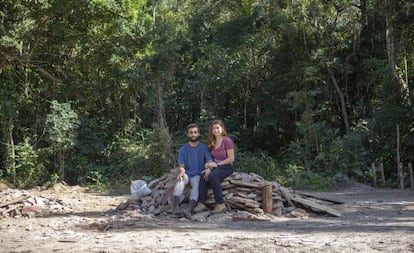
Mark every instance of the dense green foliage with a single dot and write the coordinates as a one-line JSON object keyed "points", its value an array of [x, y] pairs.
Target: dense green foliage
{"points": [[100, 91]]}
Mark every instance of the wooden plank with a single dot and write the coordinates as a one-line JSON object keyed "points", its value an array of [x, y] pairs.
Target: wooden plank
{"points": [[14, 201], [224, 183], [286, 194], [246, 184], [309, 203], [253, 196], [258, 210], [241, 194], [252, 204], [244, 189], [239, 199], [317, 196], [237, 205], [229, 186], [229, 195]]}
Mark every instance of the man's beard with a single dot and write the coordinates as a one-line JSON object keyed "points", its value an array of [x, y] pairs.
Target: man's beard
{"points": [[193, 139]]}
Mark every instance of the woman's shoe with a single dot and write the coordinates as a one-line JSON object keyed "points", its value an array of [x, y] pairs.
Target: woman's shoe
{"points": [[219, 208], [200, 207]]}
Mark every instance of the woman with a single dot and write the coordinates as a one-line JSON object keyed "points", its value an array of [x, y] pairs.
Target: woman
{"points": [[222, 152]]}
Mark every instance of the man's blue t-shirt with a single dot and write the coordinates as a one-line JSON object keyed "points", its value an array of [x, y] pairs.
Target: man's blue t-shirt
{"points": [[193, 158]]}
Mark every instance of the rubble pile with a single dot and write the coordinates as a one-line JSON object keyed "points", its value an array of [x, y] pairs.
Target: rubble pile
{"points": [[247, 192], [18, 203]]}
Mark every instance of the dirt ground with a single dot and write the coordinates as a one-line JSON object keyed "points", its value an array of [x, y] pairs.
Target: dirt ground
{"points": [[371, 221]]}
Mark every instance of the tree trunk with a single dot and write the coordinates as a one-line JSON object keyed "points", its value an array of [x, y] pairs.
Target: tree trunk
{"points": [[12, 157], [61, 159], [410, 171], [399, 166], [374, 174], [165, 135], [404, 90], [406, 87], [342, 100], [382, 174]]}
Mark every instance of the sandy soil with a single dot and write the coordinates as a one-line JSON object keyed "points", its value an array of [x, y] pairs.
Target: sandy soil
{"points": [[371, 221]]}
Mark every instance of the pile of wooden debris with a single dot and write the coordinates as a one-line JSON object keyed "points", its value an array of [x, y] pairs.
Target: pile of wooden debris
{"points": [[18, 203], [247, 192]]}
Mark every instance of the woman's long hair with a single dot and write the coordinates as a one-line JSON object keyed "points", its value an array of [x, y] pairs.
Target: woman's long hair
{"points": [[211, 138]]}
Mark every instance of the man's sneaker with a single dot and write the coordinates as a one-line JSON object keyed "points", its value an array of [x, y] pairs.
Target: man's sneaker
{"points": [[219, 208], [200, 207]]}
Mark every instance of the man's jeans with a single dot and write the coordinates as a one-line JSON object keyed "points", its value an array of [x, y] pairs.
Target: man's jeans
{"points": [[180, 185]]}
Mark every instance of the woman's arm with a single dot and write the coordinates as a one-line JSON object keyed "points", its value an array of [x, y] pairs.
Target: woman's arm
{"points": [[229, 159]]}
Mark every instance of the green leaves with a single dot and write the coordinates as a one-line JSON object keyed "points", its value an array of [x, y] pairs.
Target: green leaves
{"points": [[62, 123], [263, 66]]}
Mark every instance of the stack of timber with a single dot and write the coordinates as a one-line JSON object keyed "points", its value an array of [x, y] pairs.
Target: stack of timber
{"points": [[242, 192], [17, 203]]}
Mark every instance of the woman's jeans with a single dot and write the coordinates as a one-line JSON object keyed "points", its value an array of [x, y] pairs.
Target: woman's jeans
{"points": [[215, 178]]}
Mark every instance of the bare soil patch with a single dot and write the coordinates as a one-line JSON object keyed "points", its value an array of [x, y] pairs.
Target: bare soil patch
{"points": [[371, 221]]}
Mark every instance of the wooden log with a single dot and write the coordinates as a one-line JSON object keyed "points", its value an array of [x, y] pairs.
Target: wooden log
{"points": [[267, 201], [312, 204]]}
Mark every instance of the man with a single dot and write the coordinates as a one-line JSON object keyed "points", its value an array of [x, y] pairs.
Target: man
{"points": [[191, 159]]}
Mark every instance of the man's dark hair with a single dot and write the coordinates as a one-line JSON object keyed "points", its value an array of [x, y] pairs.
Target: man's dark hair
{"points": [[192, 125]]}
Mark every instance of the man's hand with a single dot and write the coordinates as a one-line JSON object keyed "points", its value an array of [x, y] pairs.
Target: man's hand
{"points": [[180, 175]]}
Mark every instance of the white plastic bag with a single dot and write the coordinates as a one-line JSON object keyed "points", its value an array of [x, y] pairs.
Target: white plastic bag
{"points": [[139, 189]]}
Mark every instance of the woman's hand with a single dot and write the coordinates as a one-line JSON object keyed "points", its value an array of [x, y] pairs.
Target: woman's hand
{"points": [[206, 173], [210, 165]]}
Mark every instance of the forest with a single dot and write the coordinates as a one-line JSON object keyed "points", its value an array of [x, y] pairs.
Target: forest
{"points": [[99, 92]]}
